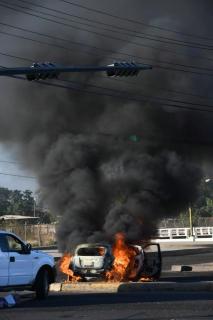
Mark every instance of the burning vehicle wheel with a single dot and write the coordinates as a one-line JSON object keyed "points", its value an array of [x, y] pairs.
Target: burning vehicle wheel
{"points": [[42, 285]]}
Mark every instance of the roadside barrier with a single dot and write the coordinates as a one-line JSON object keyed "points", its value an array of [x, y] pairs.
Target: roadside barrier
{"points": [[185, 233]]}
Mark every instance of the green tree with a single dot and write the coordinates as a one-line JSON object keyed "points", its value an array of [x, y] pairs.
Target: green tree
{"points": [[203, 207], [28, 202], [15, 202], [4, 200]]}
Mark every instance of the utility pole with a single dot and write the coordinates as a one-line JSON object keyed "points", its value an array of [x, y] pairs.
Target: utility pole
{"points": [[34, 207], [190, 221]]}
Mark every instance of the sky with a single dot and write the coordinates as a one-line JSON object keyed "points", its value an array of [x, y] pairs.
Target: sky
{"points": [[75, 141], [14, 167]]}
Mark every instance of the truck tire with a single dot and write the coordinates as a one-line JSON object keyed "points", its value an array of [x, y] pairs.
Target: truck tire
{"points": [[42, 284]]}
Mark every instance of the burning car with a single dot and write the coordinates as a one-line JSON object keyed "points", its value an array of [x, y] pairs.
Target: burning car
{"points": [[92, 260], [118, 263], [134, 262]]}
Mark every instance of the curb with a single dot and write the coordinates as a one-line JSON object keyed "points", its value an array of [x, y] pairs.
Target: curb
{"points": [[55, 287], [167, 286], [91, 287]]}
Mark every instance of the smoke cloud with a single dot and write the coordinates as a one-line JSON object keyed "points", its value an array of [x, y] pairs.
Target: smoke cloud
{"points": [[78, 145]]}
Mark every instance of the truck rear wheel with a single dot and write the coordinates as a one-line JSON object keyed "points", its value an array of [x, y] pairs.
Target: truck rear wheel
{"points": [[42, 285]]}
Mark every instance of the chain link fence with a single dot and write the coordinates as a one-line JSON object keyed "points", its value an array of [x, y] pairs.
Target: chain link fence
{"points": [[183, 223], [37, 234]]}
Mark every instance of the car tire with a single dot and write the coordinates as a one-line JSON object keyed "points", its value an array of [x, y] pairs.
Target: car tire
{"points": [[42, 285]]}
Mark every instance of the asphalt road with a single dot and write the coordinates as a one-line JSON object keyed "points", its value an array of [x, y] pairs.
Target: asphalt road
{"points": [[155, 306], [131, 306], [204, 254]]}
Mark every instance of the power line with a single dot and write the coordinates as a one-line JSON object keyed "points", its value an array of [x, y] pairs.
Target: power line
{"points": [[93, 47], [121, 97], [78, 43], [170, 91], [15, 57], [136, 33], [34, 40], [151, 98], [9, 161], [105, 134], [124, 139], [16, 175], [144, 96], [148, 59], [119, 80], [135, 21], [127, 98], [93, 32], [69, 49]]}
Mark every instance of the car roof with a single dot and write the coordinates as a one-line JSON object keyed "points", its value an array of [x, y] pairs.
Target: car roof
{"points": [[92, 245], [8, 232], [11, 233], [3, 231]]}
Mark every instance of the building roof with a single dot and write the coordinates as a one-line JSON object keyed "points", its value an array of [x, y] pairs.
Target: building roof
{"points": [[16, 217]]}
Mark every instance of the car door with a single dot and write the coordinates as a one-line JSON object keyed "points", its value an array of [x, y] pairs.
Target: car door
{"points": [[4, 261], [152, 261], [20, 262]]}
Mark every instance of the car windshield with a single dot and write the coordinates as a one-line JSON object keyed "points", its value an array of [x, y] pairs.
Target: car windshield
{"points": [[91, 251]]}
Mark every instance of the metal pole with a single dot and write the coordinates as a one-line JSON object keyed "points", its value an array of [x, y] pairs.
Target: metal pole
{"points": [[39, 235], [25, 231], [55, 68], [34, 207], [190, 221]]}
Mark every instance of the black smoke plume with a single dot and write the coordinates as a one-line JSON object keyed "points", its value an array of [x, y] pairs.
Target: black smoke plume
{"points": [[78, 144]]}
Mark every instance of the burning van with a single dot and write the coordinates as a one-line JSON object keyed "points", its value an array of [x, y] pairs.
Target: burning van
{"points": [[121, 262]]}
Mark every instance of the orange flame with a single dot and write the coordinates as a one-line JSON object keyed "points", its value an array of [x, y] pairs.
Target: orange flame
{"points": [[146, 279], [64, 266], [123, 265]]}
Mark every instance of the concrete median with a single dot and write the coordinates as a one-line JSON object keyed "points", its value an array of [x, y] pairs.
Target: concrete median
{"points": [[90, 287], [102, 287], [166, 286]]}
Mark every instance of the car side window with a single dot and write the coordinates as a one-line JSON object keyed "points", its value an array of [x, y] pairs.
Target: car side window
{"points": [[3, 243], [14, 245]]}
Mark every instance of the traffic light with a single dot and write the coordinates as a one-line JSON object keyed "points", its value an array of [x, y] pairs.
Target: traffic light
{"points": [[123, 69], [48, 71]]}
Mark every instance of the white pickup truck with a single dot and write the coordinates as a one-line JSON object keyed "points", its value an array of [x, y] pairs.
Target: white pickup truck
{"points": [[23, 268]]}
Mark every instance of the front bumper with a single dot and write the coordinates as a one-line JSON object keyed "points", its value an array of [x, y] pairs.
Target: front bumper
{"points": [[89, 272]]}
